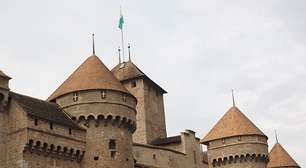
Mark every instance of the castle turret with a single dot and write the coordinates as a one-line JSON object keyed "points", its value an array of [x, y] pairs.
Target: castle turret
{"points": [[280, 158], [151, 123], [4, 90], [235, 142], [96, 99]]}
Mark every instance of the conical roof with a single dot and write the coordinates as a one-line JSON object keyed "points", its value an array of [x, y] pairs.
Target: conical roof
{"points": [[279, 157], [233, 123], [92, 74]]}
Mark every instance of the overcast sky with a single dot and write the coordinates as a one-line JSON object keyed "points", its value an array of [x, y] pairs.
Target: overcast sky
{"points": [[197, 50]]}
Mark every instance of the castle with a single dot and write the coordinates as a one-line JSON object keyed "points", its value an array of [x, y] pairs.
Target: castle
{"points": [[115, 119]]}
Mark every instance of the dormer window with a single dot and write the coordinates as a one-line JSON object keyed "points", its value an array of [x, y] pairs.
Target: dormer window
{"points": [[75, 96], [103, 94]]}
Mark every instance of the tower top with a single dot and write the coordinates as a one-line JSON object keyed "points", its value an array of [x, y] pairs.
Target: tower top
{"points": [[233, 123], [279, 157], [92, 74], [128, 71]]}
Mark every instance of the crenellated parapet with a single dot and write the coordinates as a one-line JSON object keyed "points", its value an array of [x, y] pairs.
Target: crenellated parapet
{"points": [[53, 150], [101, 120], [233, 159]]}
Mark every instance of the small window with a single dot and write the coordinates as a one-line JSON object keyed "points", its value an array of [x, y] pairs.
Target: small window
{"points": [[124, 97], [154, 156], [51, 125], [96, 158], [35, 122], [239, 138], [70, 131], [112, 144], [75, 96], [223, 141], [103, 94], [113, 154], [134, 84]]}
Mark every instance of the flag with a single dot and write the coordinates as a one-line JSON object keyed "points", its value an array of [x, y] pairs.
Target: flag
{"points": [[121, 21]]}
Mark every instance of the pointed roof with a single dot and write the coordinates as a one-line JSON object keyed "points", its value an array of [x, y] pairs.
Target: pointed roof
{"points": [[92, 74], [44, 110], [233, 123], [2, 74], [128, 71], [279, 157]]}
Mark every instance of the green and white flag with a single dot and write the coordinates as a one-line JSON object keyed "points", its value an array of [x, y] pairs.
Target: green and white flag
{"points": [[121, 22]]}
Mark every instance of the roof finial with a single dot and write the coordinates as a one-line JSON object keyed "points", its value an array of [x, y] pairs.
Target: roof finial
{"points": [[233, 98], [93, 44], [119, 51], [276, 137], [129, 47]]}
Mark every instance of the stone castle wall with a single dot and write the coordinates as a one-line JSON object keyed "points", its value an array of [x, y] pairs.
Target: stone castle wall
{"points": [[151, 122], [110, 119]]}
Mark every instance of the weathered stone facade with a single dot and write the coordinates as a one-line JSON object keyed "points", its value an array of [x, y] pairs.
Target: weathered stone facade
{"points": [[115, 119]]}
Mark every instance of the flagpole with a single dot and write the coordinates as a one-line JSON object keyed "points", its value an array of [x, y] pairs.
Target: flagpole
{"points": [[122, 40]]}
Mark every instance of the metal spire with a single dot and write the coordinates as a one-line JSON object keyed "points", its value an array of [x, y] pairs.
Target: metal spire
{"points": [[129, 47], [119, 52], [276, 137], [233, 98], [93, 45]]}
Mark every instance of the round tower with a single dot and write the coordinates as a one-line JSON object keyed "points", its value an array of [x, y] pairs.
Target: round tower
{"points": [[235, 142], [97, 100]]}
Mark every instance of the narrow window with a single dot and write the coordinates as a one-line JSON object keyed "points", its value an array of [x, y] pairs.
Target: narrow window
{"points": [[75, 96], [195, 157], [124, 97], [103, 94], [239, 138], [112, 144], [223, 141], [51, 125], [154, 156], [70, 131], [133, 84], [35, 122]]}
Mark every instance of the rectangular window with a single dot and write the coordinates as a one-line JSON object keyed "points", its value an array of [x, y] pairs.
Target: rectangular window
{"points": [[35, 122], [70, 131], [51, 125], [134, 84], [195, 157], [112, 144]]}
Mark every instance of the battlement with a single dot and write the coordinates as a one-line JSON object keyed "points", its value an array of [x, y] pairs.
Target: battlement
{"points": [[92, 120], [233, 159]]}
